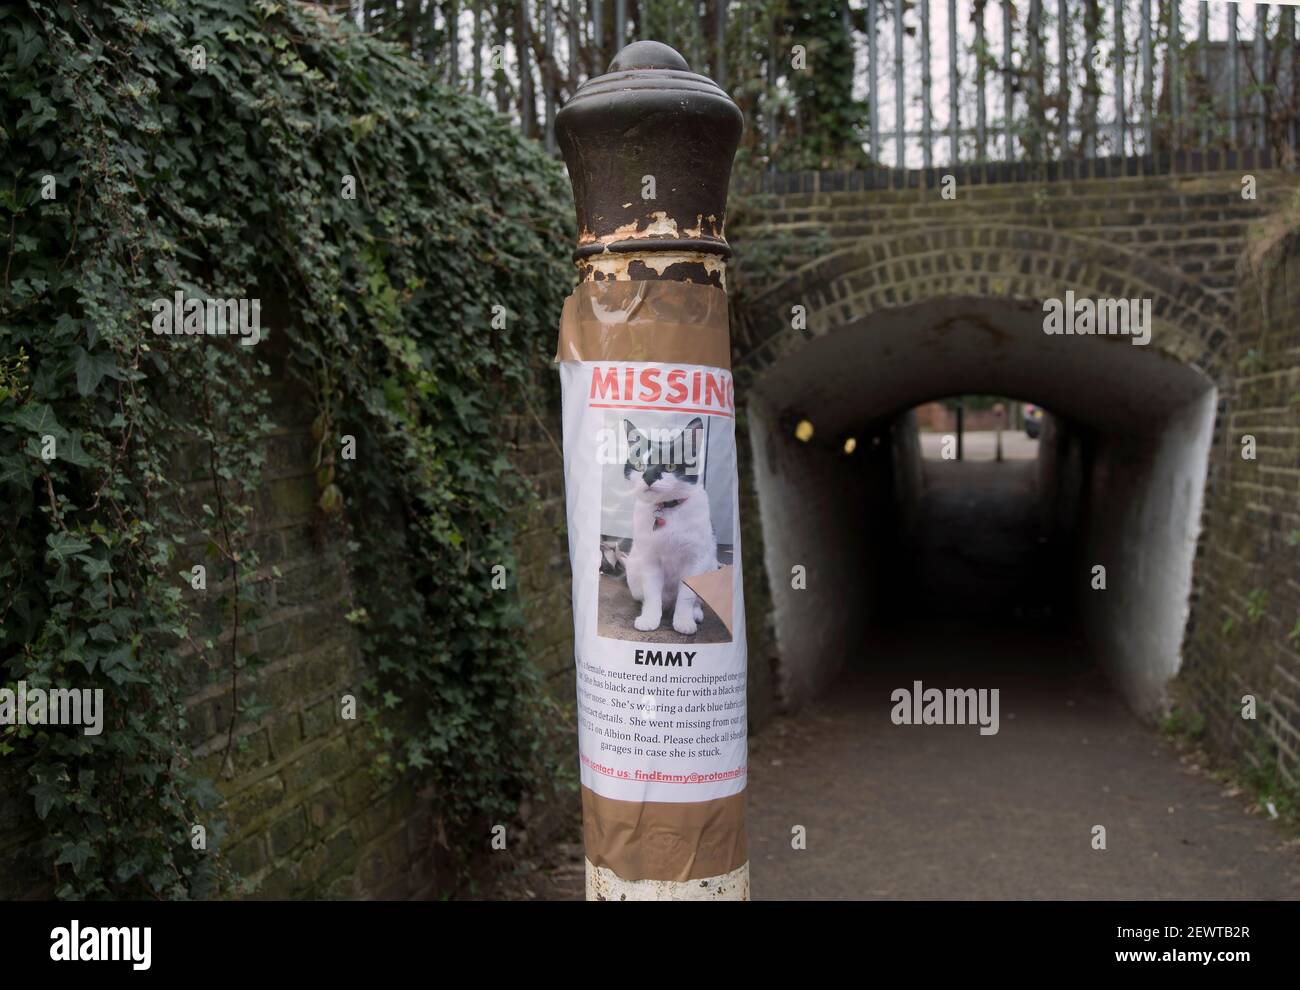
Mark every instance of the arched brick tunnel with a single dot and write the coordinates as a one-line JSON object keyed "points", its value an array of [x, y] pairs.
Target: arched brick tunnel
{"points": [[1119, 482], [980, 575]]}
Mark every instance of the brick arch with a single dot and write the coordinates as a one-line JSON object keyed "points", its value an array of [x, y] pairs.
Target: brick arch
{"points": [[900, 318], [1012, 263]]}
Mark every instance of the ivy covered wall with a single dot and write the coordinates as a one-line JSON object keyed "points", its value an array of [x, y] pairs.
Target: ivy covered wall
{"points": [[289, 566]]}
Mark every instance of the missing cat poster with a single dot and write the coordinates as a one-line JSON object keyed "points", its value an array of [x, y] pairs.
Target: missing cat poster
{"points": [[653, 514]]}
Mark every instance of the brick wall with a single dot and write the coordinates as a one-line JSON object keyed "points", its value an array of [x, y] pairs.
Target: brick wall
{"points": [[310, 820], [545, 588], [535, 433], [307, 817], [1194, 220], [1244, 632], [1185, 218]]}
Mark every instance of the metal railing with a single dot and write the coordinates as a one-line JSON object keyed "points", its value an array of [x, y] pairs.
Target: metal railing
{"points": [[932, 82]]}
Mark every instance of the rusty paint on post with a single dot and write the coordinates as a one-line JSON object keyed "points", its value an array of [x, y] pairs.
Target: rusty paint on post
{"points": [[649, 148]]}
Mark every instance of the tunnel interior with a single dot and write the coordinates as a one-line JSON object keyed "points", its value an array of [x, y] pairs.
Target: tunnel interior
{"points": [[868, 545]]}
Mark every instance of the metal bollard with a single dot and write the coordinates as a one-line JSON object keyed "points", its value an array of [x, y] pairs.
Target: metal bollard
{"points": [[650, 118], [649, 450]]}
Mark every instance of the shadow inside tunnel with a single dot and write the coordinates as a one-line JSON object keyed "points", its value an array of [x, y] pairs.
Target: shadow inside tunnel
{"points": [[974, 548], [980, 597]]}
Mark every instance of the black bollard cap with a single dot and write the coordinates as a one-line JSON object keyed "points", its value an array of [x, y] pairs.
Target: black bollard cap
{"points": [[650, 116]]}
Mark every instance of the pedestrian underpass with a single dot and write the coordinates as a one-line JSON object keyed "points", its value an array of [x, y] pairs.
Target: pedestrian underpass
{"points": [[1118, 484]]}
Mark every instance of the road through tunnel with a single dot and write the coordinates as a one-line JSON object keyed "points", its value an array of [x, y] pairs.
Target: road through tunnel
{"points": [[869, 547]]}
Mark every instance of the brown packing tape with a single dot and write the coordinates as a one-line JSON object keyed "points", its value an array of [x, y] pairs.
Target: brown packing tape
{"points": [[664, 840], [668, 322], [672, 323], [715, 587]]}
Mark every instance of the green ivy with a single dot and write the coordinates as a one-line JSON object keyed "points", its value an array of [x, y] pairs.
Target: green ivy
{"points": [[205, 146]]}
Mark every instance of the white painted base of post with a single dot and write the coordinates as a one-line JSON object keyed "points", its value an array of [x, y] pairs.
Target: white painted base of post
{"points": [[605, 885]]}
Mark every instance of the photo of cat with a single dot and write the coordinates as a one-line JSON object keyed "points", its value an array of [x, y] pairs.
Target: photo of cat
{"points": [[659, 530]]}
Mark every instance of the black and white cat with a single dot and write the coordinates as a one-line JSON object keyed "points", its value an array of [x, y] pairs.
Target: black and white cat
{"points": [[672, 531]]}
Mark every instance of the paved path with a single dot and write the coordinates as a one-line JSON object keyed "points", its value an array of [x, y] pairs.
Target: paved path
{"points": [[941, 812], [944, 812]]}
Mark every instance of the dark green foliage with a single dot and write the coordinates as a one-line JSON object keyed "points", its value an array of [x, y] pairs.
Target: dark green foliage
{"points": [[228, 181], [828, 124], [801, 116]]}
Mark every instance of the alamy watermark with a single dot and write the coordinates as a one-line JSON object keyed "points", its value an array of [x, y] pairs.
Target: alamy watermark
{"points": [[641, 448], [102, 944], [1098, 317], [953, 706], [192, 317], [58, 706]]}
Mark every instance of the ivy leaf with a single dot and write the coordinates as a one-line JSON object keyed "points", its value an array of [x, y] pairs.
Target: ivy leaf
{"points": [[29, 45], [62, 583], [75, 854], [383, 274], [38, 418], [64, 545], [95, 568], [73, 453], [115, 658], [47, 794], [91, 370], [15, 469], [103, 632]]}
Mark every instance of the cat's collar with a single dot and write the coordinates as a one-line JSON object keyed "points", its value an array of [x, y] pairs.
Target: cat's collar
{"points": [[660, 521]]}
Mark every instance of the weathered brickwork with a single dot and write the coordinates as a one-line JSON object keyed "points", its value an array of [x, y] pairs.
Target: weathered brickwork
{"points": [[545, 587], [307, 817], [1244, 633], [534, 430], [889, 248], [1179, 232], [1194, 221]]}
